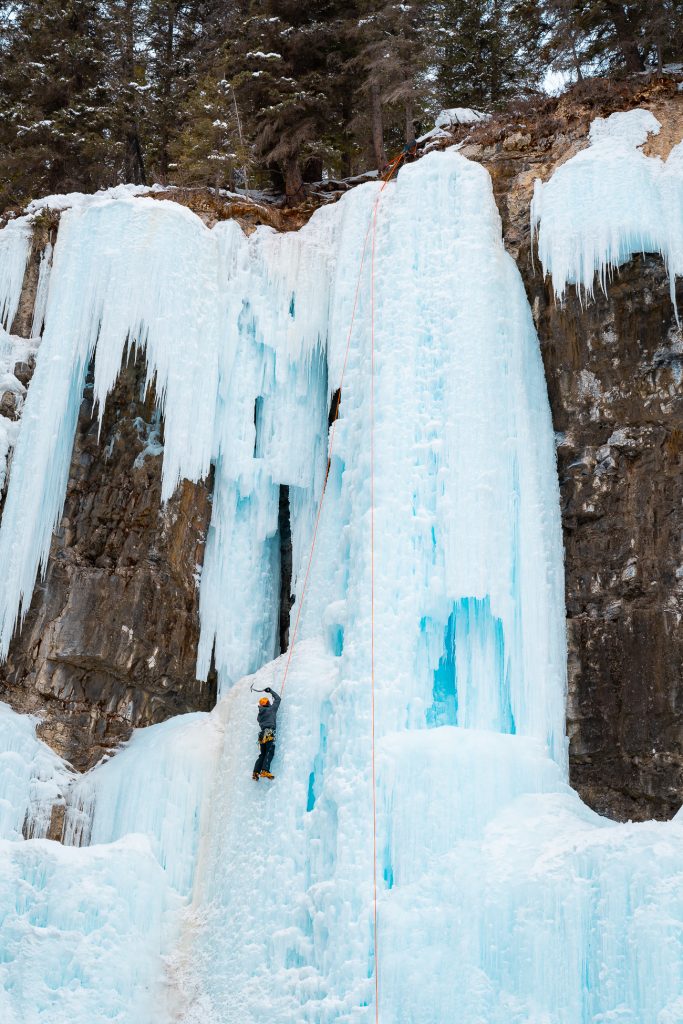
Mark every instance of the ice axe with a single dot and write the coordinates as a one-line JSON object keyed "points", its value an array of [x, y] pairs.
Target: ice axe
{"points": [[254, 690]]}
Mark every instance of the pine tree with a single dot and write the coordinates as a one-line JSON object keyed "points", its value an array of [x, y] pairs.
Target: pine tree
{"points": [[52, 93], [288, 76], [210, 141], [609, 36], [488, 50], [127, 102], [396, 53]]}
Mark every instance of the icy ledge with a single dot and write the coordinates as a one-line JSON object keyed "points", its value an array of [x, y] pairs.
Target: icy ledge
{"points": [[609, 202]]}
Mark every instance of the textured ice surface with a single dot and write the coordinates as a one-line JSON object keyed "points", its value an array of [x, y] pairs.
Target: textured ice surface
{"points": [[156, 785], [501, 899], [13, 350], [609, 202], [83, 931], [42, 291], [32, 778]]}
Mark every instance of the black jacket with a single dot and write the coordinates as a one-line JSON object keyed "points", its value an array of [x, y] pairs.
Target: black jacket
{"points": [[268, 713]]}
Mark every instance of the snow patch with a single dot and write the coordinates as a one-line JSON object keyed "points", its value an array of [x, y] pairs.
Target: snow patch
{"points": [[460, 115]]}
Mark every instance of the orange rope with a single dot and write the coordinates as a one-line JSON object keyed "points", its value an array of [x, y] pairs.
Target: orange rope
{"points": [[372, 595], [394, 168]]}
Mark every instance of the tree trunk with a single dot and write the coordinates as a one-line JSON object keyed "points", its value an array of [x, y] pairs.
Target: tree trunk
{"points": [[347, 149], [626, 38], [410, 120], [377, 128], [294, 182], [166, 89]]}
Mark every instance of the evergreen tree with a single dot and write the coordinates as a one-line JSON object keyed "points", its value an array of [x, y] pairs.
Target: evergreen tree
{"points": [[488, 50], [53, 135], [124, 24], [396, 53], [289, 76], [609, 36], [210, 141]]}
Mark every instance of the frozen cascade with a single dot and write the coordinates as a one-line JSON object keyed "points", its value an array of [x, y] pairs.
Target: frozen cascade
{"points": [[156, 785], [609, 202], [501, 897], [84, 930], [42, 291], [209, 323], [13, 350]]}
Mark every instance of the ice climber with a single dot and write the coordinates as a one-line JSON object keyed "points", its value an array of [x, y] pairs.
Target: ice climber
{"points": [[267, 714]]}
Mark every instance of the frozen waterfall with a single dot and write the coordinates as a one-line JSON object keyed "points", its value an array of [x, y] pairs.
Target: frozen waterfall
{"points": [[203, 896]]}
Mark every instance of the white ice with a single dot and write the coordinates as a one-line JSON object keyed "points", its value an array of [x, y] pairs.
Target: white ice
{"points": [[32, 778], [83, 932], [15, 247], [609, 202], [13, 350], [501, 898]]}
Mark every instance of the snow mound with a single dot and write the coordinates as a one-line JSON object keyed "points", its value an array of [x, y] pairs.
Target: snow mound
{"points": [[459, 115], [60, 202]]}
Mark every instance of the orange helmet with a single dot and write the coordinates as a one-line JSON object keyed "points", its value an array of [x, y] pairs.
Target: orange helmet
{"points": [[264, 701]]}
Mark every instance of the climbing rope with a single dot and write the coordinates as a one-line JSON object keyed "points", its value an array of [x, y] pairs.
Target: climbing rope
{"points": [[372, 230]]}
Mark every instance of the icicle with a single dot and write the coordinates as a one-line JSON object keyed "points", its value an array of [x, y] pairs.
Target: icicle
{"points": [[42, 290], [15, 248], [608, 203]]}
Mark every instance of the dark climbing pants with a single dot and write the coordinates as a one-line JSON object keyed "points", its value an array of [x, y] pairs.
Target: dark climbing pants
{"points": [[265, 757]]}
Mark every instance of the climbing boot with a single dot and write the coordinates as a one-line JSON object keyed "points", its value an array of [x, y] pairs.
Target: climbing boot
{"points": [[255, 776], [267, 775]]}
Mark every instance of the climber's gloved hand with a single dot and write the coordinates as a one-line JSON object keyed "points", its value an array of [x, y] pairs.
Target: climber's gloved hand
{"points": [[267, 690]]}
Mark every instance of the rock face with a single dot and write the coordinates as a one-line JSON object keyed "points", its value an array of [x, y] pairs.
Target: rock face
{"points": [[613, 367], [110, 639]]}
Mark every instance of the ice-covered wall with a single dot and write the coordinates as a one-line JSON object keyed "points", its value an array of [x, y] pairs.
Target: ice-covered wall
{"points": [[609, 202], [15, 247], [500, 897], [240, 386], [83, 932], [157, 785]]}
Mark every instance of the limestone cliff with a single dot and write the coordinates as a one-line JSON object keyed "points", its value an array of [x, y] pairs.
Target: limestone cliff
{"points": [[110, 639]]}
